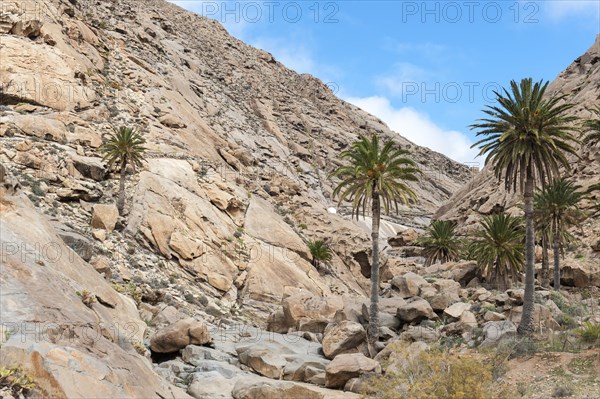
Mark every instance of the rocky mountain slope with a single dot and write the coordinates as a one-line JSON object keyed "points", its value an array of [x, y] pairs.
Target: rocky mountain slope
{"points": [[217, 220], [239, 146]]}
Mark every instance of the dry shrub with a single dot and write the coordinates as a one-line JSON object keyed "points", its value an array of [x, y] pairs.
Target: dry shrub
{"points": [[437, 374]]}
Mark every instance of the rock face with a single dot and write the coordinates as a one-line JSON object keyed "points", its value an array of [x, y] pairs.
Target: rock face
{"points": [[46, 281]]}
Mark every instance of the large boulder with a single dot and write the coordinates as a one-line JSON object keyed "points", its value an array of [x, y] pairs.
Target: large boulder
{"points": [[404, 238], [307, 312], [347, 366], [457, 309], [104, 216], [416, 310], [179, 335], [344, 337], [495, 331], [251, 388], [409, 284]]}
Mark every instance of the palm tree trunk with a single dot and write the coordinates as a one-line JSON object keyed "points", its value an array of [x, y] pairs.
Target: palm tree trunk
{"points": [[373, 329], [121, 199], [556, 254], [545, 262], [526, 324]]}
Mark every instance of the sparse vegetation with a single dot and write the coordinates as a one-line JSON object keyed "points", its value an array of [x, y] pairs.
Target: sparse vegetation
{"points": [[320, 252], [87, 298], [589, 333], [130, 290], [16, 381], [438, 374]]}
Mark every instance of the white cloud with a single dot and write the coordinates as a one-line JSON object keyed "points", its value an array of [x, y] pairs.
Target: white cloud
{"points": [[295, 56], [567, 8], [403, 72], [418, 128]]}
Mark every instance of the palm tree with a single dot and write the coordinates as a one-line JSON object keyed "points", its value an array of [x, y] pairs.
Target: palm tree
{"points": [[557, 202], [440, 244], [319, 251], [124, 147], [593, 127], [526, 139], [377, 174], [498, 249], [592, 138], [543, 229]]}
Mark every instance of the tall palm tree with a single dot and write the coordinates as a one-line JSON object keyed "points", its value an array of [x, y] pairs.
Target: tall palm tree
{"points": [[378, 173], [319, 251], [440, 243], [526, 138], [124, 147], [498, 249], [558, 203]]}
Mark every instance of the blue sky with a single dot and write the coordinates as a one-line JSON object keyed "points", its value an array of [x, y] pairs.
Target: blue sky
{"points": [[424, 67]]}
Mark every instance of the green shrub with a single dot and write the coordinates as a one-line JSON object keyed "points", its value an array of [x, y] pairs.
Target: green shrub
{"points": [[18, 383], [87, 298], [589, 332]]}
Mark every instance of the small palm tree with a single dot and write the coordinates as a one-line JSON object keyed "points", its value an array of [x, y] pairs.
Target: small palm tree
{"points": [[440, 244], [320, 252], [526, 139], [377, 174], [124, 147], [593, 127], [498, 249], [558, 203], [592, 138], [543, 230]]}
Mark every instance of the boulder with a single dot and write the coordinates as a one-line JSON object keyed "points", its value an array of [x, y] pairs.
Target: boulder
{"points": [[77, 242], [580, 276], [102, 265], [404, 238], [467, 321], [416, 310], [463, 272], [306, 312], [251, 388], [90, 167], [420, 333], [409, 284], [457, 309], [495, 331], [179, 335], [343, 337], [347, 366], [104, 216]]}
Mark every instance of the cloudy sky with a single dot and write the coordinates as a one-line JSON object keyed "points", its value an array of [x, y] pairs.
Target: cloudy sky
{"points": [[426, 68]]}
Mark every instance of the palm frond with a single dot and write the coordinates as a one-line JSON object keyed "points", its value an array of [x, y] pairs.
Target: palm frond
{"points": [[383, 169]]}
